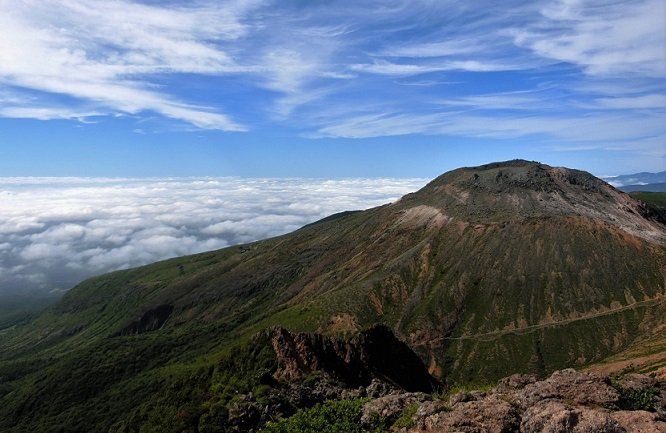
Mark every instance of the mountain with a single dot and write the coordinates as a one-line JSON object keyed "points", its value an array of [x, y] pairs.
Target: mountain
{"points": [[647, 187], [16, 308], [486, 271], [654, 182]]}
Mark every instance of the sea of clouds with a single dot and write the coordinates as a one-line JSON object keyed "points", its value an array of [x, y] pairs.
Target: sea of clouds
{"points": [[55, 232]]}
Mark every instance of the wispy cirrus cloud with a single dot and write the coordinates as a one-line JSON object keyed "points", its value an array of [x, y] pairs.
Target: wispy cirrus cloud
{"points": [[649, 101], [45, 113], [325, 69], [102, 54], [591, 130], [603, 38], [578, 82], [401, 69], [56, 231]]}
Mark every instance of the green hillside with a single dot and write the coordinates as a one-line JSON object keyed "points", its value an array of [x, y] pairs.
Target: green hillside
{"points": [[487, 271], [655, 198]]}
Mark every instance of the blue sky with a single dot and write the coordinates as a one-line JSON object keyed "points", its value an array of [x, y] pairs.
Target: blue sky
{"points": [[329, 88]]}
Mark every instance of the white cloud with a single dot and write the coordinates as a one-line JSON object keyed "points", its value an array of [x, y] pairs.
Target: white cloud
{"points": [[437, 49], [57, 231], [604, 38], [45, 113], [80, 59], [597, 130], [99, 51], [502, 101], [383, 67], [635, 102]]}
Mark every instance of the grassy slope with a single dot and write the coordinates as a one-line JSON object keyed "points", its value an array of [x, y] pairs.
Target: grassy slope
{"points": [[645, 355]]}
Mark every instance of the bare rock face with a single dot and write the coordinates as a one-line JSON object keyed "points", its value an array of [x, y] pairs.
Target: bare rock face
{"points": [[464, 397], [489, 415], [378, 388], [515, 382], [391, 406], [639, 421], [375, 353], [552, 416], [426, 411], [566, 402], [377, 365], [571, 386], [636, 382]]}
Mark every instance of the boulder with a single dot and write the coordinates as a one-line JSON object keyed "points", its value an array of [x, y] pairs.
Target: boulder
{"points": [[552, 416], [391, 406], [489, 415], [515, 382], [639, 421], [571, 386], [636, 382]]}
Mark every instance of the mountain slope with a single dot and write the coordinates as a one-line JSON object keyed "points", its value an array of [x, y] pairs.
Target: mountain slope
{"points": [[486, 271]]}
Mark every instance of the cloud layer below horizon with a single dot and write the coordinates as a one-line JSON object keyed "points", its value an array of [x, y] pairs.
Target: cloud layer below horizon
{"points": [[54, 232]]}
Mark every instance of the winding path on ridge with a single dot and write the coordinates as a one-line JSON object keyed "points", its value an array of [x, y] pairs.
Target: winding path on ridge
{"points": [[493, 335]]}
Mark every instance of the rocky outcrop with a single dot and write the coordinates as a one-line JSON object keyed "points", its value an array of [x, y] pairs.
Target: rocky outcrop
{"points": [[553, 416], [378, 366], [374, 353], [391, 406], [151, 320], [639, 421], [566, 402], [490, 414], [572, 386]]}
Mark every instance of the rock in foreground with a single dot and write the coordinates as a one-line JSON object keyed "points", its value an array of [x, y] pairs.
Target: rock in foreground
{"points": [[566, 402]]}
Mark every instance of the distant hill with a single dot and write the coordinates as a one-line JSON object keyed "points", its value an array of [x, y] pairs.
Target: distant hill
{"points": [[648, 187], [16, 308], [655, 182], [486, 271]]}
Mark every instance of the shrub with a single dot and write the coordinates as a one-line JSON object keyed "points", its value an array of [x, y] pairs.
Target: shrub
{"points": [[338, 416], [638, 399], [406, 419]]}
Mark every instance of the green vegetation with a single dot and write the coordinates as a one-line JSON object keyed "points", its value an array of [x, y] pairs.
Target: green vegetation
{"points": [[454, 389], [406, 419], [655, 198], [127, 387], [341, 416], [640, 398]]}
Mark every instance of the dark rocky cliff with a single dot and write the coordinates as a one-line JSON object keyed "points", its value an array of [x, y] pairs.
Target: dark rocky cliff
{"points": [[373, 354]]}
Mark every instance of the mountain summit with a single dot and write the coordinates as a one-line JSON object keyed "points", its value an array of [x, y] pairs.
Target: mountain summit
{"points": [[486, 271], [518, 189]]}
